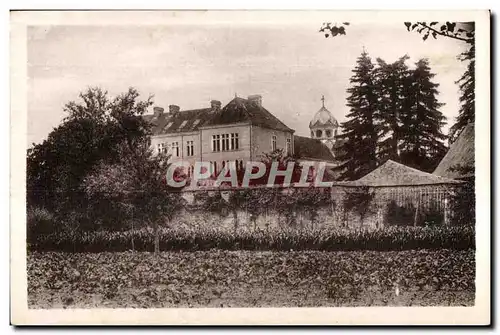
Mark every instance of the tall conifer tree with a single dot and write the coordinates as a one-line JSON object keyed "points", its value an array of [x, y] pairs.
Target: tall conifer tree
{"points": [[359, 136], [421, 138], [466, 83], [391, 85]]}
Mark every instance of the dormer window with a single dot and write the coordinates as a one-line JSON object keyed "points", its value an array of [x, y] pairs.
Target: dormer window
{"points": [[195, 123], [168, 125]]}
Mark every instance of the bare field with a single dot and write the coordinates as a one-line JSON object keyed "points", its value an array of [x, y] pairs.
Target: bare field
{"points": [[251, 279]]}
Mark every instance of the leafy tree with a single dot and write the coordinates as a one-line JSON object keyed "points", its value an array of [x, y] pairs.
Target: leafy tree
{"points": [[95, 130], [283, 160], [359, 134], [462, 31], [421, 136], [391, 81], [139, 182]]}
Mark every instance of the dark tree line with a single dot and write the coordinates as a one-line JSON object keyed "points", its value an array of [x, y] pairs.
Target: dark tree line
{"points": [[394, 114], [460, 31]]}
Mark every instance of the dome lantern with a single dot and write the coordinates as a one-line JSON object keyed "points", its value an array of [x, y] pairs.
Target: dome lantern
{"points": [[324, 126]]}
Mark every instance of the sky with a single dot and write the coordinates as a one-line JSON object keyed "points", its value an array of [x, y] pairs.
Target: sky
{"points": [[291, 65]]}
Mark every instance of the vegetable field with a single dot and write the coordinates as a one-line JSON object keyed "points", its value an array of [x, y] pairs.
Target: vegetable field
{"points": [[219, 278]]}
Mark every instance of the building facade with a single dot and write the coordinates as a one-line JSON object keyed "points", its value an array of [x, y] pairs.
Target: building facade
{"points": [[239, 132]]}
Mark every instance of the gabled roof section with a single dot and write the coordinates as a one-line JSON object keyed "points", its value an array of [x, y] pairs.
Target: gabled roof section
{"points": [[236, 111], [243, 110], [459, 161], [310, 148], [395, 174], [190, 120]]}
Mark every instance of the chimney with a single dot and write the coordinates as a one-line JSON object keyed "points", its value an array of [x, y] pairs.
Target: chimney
{"points": [[256, 98], [215, 105], [158, 111], [173, 109]]}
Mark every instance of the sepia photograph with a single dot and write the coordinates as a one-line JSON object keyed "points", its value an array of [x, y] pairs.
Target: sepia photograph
{"points": [[216, 162]]}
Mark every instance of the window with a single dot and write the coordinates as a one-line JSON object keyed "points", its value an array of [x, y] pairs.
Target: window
{"points": [[162, 147], [288, 146], [190, 148], [175, 149], [234, 141], [328, 133], [319, 133], [273, 143], [225, 142], [312, 133], [215, 142]]}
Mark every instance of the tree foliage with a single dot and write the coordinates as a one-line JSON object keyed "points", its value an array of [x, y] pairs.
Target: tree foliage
{"points": [[97, 130], [460, 31], [392, 83], [466, 83], [394, 114], [422, 140], [138, 184], [359, 134]]}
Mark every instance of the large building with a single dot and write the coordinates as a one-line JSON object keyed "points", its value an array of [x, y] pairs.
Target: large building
{"points": [[239, 132]]}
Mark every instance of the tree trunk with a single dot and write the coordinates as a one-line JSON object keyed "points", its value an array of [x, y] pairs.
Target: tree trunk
{"points": [[133, 230], [447, 211], [157, 237], [235, 220], [415, 219]]}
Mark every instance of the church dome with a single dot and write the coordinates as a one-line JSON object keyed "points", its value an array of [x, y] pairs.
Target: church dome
{"points": [[323, 117]]}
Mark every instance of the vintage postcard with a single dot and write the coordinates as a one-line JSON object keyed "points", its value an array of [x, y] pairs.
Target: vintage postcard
{"points": [[250, 167]]}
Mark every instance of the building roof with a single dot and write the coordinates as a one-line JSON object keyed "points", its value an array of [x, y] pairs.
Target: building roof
{"points": [[395, 174], [236, 111], [310, 148], [183, 121], [460, 154], [323, 118], [243, 110]]}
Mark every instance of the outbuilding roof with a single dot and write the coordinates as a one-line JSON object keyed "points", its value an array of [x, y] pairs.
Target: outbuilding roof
{"points": [[310, 148], [395, 174], [459, 160]]}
